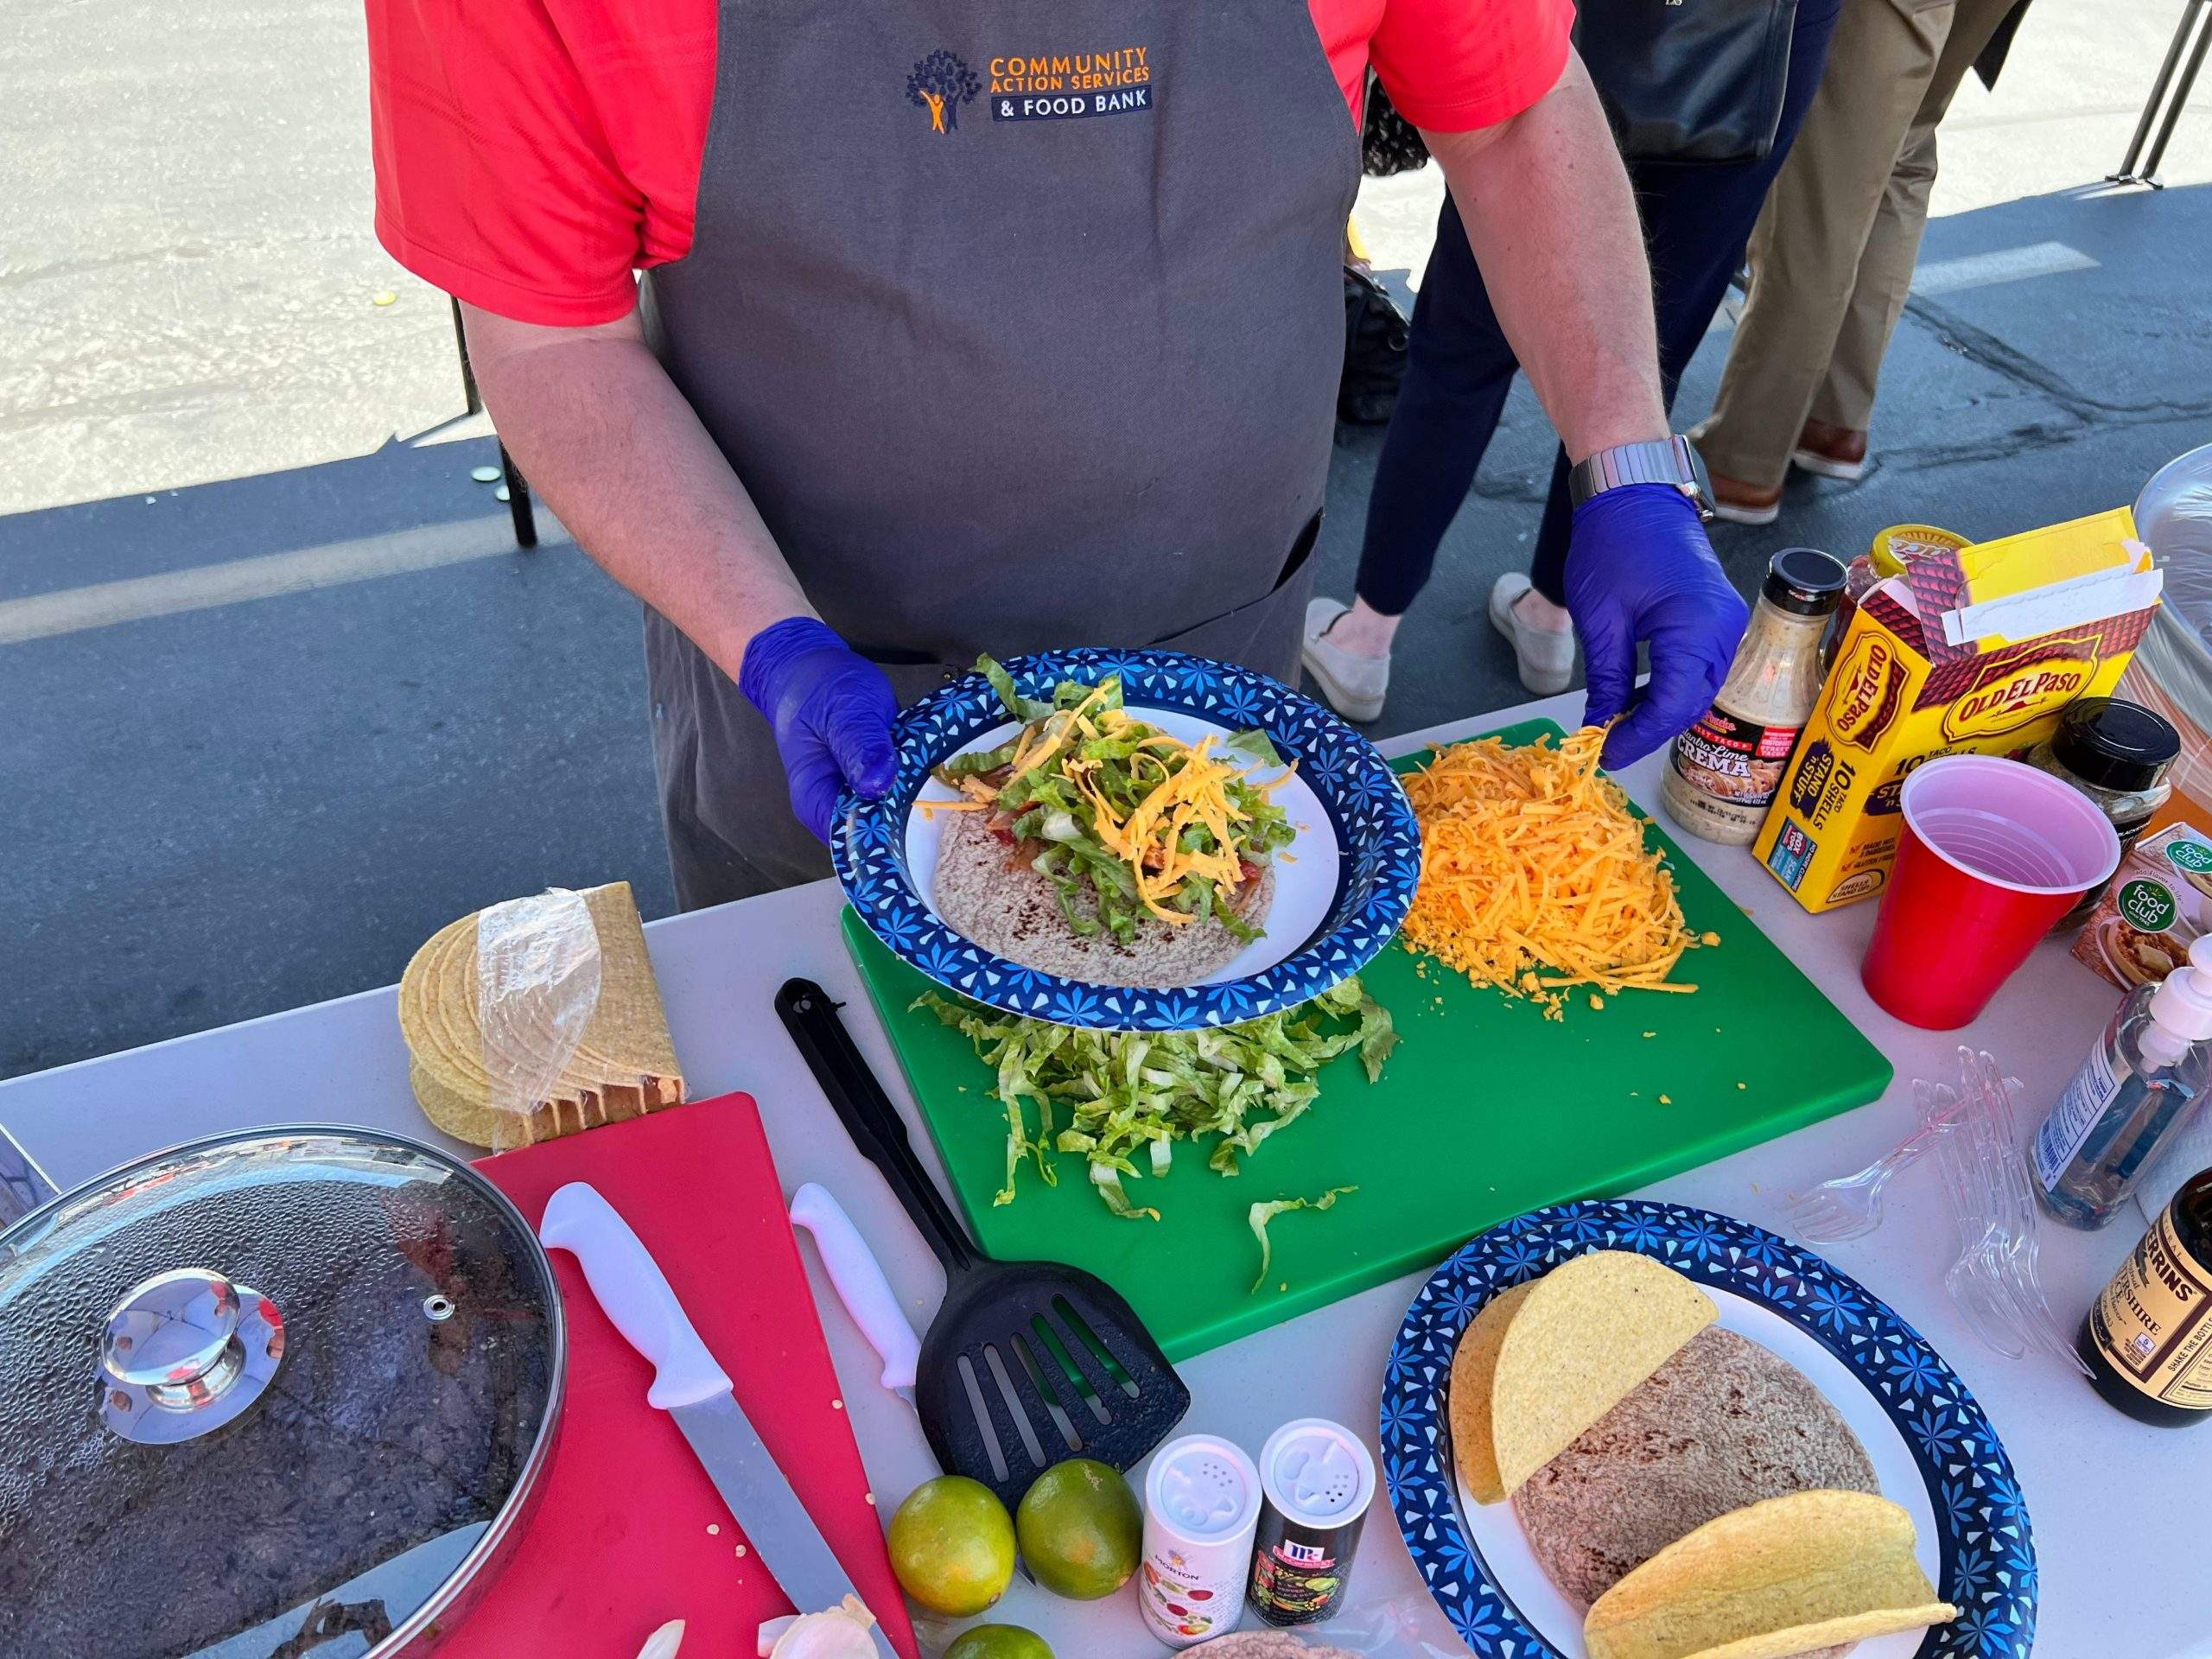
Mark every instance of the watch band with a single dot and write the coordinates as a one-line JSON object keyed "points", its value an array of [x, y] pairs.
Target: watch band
{"points": [[1672, 462]]}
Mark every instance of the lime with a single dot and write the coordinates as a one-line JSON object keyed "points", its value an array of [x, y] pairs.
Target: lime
{"points": [[1000, 1642], [952, 1546], [1080, 1528]]}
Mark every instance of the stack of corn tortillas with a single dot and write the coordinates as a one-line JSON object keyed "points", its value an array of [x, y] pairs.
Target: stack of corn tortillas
{"points": [[1694, 1493], [623, 1065]]}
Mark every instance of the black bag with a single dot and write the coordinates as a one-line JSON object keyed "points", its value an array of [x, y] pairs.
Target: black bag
{"points": [[1389, 144], [1375, 352], [1689, 81]]}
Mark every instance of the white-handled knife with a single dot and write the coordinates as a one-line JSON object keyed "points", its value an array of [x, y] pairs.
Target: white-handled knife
{"points": [[693, 1390], [860, 1285]]}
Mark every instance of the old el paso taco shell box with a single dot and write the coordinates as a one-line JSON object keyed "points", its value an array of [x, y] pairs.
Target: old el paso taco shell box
{"points": [[1972, 650]]}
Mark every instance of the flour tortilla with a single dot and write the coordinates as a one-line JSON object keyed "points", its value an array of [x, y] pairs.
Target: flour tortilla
{"points": [[987, 894], [1266, 1644], [1723, 1424]]}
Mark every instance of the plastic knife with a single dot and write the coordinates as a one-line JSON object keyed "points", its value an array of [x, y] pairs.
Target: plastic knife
{"points": [[695, 1391], [861, 1286]]}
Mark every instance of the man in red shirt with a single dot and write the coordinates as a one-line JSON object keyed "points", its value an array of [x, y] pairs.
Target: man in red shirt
{"points": [[994, 325]]}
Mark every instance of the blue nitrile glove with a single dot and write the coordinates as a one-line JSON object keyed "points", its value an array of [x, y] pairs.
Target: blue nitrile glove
{"points": [[1639, 568], [831, 710]]}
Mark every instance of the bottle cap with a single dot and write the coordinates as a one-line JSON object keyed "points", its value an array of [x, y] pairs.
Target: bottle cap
{"points": [[2114, 744], [1804, 582], [2183, 1002], [1900, 544], [1204, 1490], [1319, 1473]]}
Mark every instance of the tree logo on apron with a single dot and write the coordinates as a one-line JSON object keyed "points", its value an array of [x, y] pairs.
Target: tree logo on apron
{"points": [[941, 83]]}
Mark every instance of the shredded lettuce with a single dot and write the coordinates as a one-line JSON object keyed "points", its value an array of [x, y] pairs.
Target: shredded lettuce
{"points": [[1122, 767], [1257, 744], [1120, 1100], [1024, 709], [1261, 1214], [982, 761]]}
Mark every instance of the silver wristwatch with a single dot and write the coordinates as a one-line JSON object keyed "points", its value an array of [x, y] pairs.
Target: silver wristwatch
{"points": [[1673, 461]]}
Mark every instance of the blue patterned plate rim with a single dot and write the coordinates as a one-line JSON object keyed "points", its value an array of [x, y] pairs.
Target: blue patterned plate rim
{"points": [[1378, 839], [1985, 1543]]}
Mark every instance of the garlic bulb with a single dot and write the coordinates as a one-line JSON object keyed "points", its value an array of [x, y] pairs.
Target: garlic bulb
{"points": [[840, 1633]]}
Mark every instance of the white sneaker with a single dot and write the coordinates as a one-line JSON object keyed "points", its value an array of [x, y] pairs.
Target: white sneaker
{"points": [[1353, 685], [1546, 659]]}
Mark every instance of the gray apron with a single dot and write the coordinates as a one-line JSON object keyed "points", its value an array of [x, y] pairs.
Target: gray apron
{"points": [[1021, 321]]}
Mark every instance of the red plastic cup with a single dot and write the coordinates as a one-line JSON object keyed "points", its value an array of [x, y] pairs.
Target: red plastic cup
{"points": [[1991, 854]]}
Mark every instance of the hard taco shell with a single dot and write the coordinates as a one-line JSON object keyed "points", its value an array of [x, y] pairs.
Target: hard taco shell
{"points": [[1770, 1580], [1550, 1363]]}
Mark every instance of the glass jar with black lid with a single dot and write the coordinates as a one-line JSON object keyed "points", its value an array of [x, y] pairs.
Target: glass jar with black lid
{"points": [[2116, 752]]}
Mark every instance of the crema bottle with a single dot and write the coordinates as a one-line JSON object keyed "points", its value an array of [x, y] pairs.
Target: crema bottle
{"points": [[1721, 773]]}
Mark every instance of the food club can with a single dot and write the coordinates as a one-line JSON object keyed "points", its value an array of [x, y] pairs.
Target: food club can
{"points": [[1317, 1479], [1201, 1505]]}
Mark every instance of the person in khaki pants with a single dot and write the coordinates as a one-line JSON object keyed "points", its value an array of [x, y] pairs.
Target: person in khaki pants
{"points": [[1832, 258]]}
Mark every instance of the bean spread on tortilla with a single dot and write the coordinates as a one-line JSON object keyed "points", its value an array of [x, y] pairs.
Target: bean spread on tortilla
{"points": [[1723, 1424], [988, 891]]}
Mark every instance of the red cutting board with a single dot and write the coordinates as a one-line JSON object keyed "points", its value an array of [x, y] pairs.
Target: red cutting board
{"points": [[630, 1532]]}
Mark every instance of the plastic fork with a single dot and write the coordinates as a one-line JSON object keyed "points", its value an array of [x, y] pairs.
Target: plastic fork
{"points": [[1850, 1206], [1976, 1280], [2022, 1231]]}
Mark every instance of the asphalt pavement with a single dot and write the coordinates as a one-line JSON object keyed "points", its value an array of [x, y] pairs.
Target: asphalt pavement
{"points": [[278, 697]]}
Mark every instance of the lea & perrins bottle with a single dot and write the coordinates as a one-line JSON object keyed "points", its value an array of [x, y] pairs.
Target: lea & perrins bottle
{"points": [[2148, 1340]]}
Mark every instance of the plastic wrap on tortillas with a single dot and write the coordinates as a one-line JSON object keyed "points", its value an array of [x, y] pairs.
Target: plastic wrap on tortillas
{"points": [[538, 978], [623, 1066]]}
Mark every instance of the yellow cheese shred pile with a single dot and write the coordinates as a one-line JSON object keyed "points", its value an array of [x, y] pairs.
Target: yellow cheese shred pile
{"points": [[1535, 875]]}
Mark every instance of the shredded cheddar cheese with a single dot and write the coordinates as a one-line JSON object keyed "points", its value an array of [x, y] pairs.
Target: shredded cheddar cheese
{"points": [[1150, 840], [1064, 727], [1534, 875]]}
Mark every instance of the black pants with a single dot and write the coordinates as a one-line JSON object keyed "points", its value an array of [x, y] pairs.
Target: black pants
{"points": [[1696, 221]]}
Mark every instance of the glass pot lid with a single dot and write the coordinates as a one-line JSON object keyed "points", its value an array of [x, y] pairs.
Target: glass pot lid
{"points": [[263, 1395]]}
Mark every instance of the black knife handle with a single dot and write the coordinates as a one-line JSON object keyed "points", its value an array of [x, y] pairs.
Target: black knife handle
{"points": [[810, 1015]]}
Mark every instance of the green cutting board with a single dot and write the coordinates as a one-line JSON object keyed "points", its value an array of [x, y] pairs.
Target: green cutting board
{"points": [[1485, 1110]]}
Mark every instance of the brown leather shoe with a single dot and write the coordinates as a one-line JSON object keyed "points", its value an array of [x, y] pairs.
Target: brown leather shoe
{"points": [[1743, 504], [1831, 451]]}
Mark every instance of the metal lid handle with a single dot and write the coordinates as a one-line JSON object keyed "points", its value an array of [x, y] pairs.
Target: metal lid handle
{"points": [[176, 1350], [173, 1331]]}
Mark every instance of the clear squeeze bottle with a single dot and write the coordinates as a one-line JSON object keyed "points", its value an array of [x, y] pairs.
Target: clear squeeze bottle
{"points": [[2131, 1097]]}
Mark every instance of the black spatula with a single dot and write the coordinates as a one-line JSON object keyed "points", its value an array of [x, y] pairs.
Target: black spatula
{"points": [[1027, 1362]]}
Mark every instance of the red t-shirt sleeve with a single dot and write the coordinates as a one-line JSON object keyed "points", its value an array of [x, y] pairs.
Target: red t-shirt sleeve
{"points": [[1452, 66], [531, 154]]}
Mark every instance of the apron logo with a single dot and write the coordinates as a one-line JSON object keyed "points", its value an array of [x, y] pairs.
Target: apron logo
{"points": [[941, 83], [1056, 86]]}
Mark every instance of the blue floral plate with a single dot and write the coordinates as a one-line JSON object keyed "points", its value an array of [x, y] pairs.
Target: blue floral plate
{"points": [[1932, 1448], [1339, 898]]}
